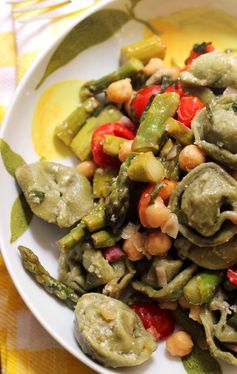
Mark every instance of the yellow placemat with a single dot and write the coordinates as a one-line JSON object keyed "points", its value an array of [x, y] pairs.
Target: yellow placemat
{"points": [[26, 348]]}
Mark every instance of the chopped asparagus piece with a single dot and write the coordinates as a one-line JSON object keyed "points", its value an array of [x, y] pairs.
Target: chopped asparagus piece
{"points": [[102, 182], [77, 234], [66, 130], [117, 203], [179, 131], [146, 168], [202, 287], [95, 220], [151, 130], [93, 87], [104, 238], [51, 285], [112, 145], [144, 50], [80, 144], [166, 148]]}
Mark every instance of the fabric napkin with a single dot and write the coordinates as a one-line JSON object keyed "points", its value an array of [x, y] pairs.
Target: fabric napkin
{"points": [[25, 347]]}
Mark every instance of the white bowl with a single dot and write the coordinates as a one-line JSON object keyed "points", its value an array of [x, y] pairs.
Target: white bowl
{"points": [[188, 22]]}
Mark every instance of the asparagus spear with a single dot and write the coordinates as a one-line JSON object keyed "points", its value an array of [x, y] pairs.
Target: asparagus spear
{"points": [[144, 50], [117, 203], [112, 144], [51, 285], [80, 144], [179, 131], [146, 168], [102, 181], [202, 287], [129, 69], [151, 130], [77, 234], [66, 130], [104, 238]]}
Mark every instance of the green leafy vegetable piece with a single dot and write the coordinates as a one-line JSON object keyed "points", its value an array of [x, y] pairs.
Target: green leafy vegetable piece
{"points": [[21, 216], [10, 159], [86, 34], [201, 362]]}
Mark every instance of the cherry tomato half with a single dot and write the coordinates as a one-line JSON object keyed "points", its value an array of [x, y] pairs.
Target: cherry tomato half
{"points": [[188, 107], [112, 128], [232, 276], [158, 321], [140, 101]]}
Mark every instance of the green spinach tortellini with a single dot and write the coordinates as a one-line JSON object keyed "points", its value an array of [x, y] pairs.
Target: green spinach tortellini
{"points": [[56, 193], [213, 69], [213, 258], [111, 332], [215, 130], [205, 203], [221, 335]]}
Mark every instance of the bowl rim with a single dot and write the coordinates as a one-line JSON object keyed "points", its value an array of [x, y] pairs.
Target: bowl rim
{"points": [[18, 91]]}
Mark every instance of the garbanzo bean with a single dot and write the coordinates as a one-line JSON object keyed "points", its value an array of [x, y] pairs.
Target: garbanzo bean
{"points": [[190, 157], [157, 243], [124, 150], [133, 247], [179, 344], [153, 65], [87, 168], [156, 214], [120, 91]]}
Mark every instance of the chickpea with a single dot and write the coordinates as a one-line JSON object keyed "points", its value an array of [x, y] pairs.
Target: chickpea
{"points": [[120, 91], [190, 157], [153, 65], [183, 302], [87, 168], [157, 243], [133, 247], [179, 344], [124, 150], [156, 214]]}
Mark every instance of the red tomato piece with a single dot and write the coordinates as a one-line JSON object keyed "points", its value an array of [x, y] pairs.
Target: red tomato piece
{"points": [[141, 100], [199, 50], [112, 128], [232, 276], [188, 107], [159, 322]]}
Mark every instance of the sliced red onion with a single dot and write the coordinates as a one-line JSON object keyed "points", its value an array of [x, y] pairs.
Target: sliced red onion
{"points": [[114, 253]]}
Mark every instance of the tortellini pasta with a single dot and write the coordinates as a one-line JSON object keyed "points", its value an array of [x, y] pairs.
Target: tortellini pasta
{"points": [[111, 332], [215, 130], [205, 203], [213, 69]]}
